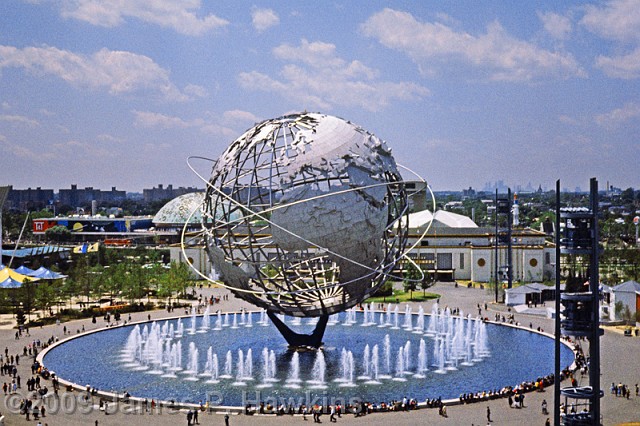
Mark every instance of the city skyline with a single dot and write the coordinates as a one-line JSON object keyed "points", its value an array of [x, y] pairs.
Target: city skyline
{"points": [[108, 93]]}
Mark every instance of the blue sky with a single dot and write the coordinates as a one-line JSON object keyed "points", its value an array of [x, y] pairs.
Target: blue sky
{"points": [[120, 92]]}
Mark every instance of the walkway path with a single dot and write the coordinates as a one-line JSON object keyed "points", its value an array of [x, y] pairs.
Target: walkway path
{"points": [[620, 363]]}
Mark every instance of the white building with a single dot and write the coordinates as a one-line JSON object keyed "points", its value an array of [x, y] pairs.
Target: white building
{"points": [[627, 293], [454, 247]]}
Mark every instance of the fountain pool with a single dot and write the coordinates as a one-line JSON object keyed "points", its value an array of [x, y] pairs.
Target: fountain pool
{"points": [[430, 356]]}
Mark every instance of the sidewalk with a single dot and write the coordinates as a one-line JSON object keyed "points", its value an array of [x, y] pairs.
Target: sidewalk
{"points": [[619, 355]]}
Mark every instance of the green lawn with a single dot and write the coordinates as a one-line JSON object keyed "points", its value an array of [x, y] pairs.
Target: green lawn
{"points": [[404, 296]]}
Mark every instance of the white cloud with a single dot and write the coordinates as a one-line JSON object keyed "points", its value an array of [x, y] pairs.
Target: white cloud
{"points": [[616, 20], [566, 119], [119, 72], [323, 79], [179, 15], [618, 116], [46, 112], [237, 115], [196, 91], [104, 137], [149, 119], [503, 56], [558, 26], [20, 119], [626, 67], [263, 19]]}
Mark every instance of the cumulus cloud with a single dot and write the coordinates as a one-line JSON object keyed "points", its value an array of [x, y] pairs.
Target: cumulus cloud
{"points": [[558, 26], [618, 116], [317, 77], [501, 55], [105, 137], [19, 119], [150, 119], [263, 19], [179, 15], [615, 20], [625, 66], [20, 151], [119, 72], [237, 115]]}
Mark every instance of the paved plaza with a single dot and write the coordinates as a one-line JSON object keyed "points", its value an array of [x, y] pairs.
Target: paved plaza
{"points": [[620, 364]]}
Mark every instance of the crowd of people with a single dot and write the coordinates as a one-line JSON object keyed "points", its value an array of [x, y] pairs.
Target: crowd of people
{"points": [[622, 390]]}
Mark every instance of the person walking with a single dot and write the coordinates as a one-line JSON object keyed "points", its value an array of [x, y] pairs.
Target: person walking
{"points": [[489, 415], [332, 417]]}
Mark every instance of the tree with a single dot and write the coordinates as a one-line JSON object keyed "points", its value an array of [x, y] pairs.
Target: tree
{"points": [[58, 233], [386, 289], [179, 276], [627, 195], [412, 276], [45, 296], [427, 282], [20, 318]]}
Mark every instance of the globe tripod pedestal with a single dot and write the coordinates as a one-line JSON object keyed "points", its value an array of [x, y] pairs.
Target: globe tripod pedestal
{"points": [[298, 339]]}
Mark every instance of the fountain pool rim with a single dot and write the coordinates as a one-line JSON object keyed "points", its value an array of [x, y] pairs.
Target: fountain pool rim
{"points": [[112, 396]]}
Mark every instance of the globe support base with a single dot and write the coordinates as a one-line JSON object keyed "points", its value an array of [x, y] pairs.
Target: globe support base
{"points": [[294, 339]]}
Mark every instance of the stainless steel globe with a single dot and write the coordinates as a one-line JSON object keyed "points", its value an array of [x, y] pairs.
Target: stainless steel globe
{"points": [[302, 215]]}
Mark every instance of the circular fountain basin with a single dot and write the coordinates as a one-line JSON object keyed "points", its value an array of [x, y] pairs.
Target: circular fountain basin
{"points": [[511, 356]]}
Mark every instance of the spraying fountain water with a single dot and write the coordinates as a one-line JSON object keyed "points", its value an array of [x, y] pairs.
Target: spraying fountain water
{"points": [[366, 360], [268, 368], [419, 328], [456, 341], [318, 372], [347, 367], [205, 323], [293, 380], [395, 319], [408, 318], [433, 320], [386, 351], [240, 375], [228, 366], [407, 357], [400, 370], [422, 361], [218, 325], [226, 320], [192, 329], [263, 318], [235, 321], [179, 329], [192, 367], [211, 367], [374, 367]]}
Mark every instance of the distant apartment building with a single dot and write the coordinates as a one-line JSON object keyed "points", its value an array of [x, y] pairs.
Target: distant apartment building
{"points": [[75, 197], [28, 199], [161, 193]]}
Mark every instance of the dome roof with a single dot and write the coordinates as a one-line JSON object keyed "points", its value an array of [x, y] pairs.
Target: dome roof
{"points": [[441, 218], [180, 209]]}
